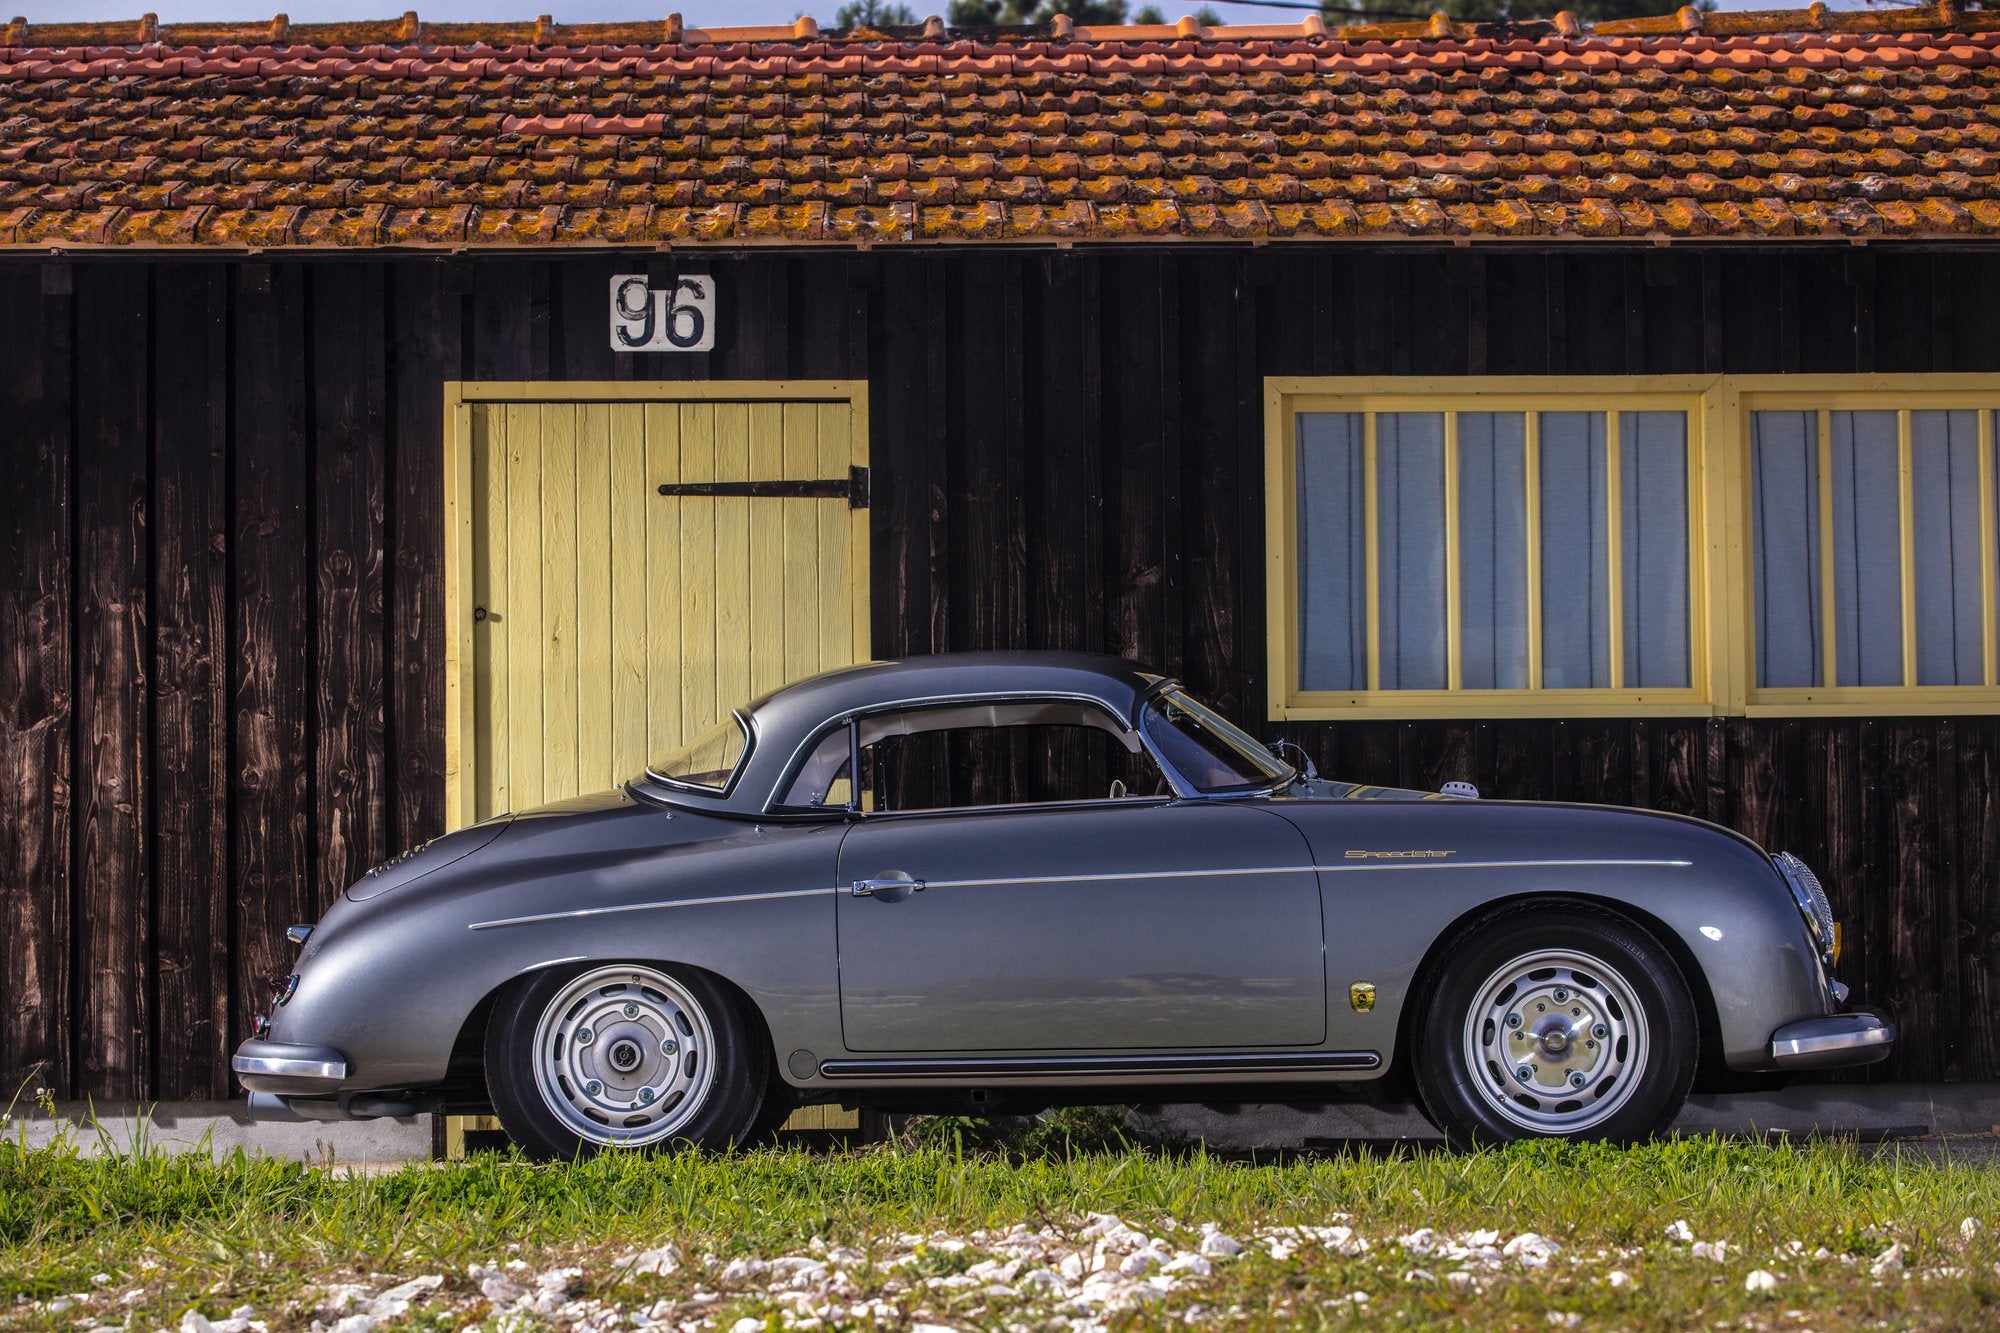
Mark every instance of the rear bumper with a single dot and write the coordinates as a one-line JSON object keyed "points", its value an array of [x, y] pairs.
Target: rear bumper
{"points": [[282, 1067], [1833, 1041]]}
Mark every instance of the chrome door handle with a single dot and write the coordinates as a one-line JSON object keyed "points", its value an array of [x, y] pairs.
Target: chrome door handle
{"points": [[866, 888]]}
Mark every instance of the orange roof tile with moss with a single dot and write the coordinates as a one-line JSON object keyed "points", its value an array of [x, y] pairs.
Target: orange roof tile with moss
{"points": [[1798, 124]]}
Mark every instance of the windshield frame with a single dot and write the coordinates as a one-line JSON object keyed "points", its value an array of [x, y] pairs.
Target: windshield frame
{"points": [[1240, 742], [704, 789]]}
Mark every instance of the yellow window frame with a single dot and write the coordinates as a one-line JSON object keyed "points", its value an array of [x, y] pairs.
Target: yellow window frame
{"points": [[1901, 394], [1722, 614], [1286, 399]]}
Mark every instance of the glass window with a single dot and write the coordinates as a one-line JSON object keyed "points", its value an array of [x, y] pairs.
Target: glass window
{"points": [[710, 761], [1870, 520], [1209, 753], [1507, 550]]}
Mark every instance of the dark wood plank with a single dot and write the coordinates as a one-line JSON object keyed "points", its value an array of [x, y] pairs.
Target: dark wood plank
{"points": [[349, 387], [270, 699], [1142, 459], [37, 710], [190, 702], [426, 321], [1210, 471], [1064, 516], [113, 649], [1977, 882]]}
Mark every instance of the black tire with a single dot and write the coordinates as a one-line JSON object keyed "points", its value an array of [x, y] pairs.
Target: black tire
{"points": [[1587, 1006], [626, 1056]]}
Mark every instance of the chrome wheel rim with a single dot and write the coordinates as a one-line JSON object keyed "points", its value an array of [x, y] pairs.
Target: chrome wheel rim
{"points": [[1555, 1041], [624, 1056]]}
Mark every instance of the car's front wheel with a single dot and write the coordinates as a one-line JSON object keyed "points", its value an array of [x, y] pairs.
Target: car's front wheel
{"points": [[1557, 1024], [624, 1056]]}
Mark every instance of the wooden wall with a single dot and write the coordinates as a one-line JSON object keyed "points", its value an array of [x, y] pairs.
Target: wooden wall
{"points": [[220, 650]]}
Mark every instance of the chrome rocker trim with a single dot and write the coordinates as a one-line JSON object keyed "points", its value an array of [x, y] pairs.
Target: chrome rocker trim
{"points": [[1833, 1041], [277, 1059], [1277, 1062]]}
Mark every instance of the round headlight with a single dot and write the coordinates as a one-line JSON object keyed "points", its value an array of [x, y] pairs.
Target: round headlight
{"points": [[1811, 898]]}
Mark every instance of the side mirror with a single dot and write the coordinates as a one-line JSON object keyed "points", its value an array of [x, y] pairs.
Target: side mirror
{"points": [[1305, 764]]}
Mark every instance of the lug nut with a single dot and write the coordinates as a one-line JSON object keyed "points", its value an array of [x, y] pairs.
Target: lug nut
{"points": [[593, 1087], [669, 1046], [631, 1011], [1561, 995], [584, 1036], [1525, 1074], [1513, 1020], [1599, 1031], [1576, 1079], [646, 1095]]}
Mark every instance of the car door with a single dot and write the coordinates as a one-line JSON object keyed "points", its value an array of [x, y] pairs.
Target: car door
{"points": [[1102, 925]]}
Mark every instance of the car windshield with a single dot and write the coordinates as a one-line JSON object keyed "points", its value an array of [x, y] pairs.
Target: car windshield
{"points": [[1211, 755], [710, 760]]}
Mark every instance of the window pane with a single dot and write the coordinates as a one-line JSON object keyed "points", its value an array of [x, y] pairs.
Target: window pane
{"points": [[1653, 547], [1576, 606], [1333, 562], [1867, 550], [1784, 527], [1493, 550], [1944, 448], [1409, 469]]}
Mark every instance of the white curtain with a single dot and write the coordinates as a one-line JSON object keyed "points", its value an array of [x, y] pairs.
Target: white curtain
{"points": [[1784, 520], [1944, 448], [1576, 603], [1493, 550], [1332, 555], [1653, 547], [1409, 471], [1867, 550]]}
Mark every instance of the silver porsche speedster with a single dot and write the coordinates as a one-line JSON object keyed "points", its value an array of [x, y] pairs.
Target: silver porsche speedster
{"points": [[1007, 881]]}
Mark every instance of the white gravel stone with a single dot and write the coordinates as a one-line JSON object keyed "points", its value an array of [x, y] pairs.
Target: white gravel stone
{"points": [[1715, 1251], [1760, 1280], [1681, 1232], [1217, 1244], [1966, 1229], [666, 1259], [743, 1269], [1618, 1278], [501, 1290], [396, 1300], [1530, 1250], [1421, 1242], [1194, 1265], [1888, 1262]]}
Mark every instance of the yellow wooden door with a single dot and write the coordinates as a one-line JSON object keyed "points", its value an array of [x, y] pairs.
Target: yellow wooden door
{"points": [[600, 623]]}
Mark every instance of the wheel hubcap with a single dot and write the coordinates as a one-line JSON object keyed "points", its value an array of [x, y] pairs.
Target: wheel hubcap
{"points": [[624, 1055], [1555, 1041]]}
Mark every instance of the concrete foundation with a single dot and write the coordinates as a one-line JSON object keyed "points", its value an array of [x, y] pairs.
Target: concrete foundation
{"points": [[1897, 1110]]}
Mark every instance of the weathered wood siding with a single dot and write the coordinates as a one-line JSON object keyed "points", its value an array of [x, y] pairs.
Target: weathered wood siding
{"points": [[221, 652]]}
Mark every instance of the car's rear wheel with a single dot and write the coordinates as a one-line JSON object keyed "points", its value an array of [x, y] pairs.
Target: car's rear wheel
{"points": [[627, 1056], [1559, 1024]]}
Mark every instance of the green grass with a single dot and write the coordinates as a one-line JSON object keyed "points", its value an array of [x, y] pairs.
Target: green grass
{"points": [[186, 1233]]}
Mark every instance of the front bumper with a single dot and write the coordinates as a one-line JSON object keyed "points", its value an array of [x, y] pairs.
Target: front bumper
{"points": [[284, 1067], [1833, 1041]]}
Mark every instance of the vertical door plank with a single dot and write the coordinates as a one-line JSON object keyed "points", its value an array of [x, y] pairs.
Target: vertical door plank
{"points": [[492, 676], [190, 682], [270, 834], [349, 391], [594, 628], [113, 879], [699, 706], [732, 559], [559, 601], [521, 615], [426, 322], [634, 496], [802, 555], [768, 607], [837, 647], [666, 580], [37, 707]]}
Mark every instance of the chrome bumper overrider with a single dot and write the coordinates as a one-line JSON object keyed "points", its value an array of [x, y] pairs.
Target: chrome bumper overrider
{"points": [[278, 1059], [1832, 1041]]}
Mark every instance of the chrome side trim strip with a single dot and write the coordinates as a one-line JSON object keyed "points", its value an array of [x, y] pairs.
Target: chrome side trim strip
{"points": [[1492, 865], [1065, 1066], [1107, 876], [646, 907]]}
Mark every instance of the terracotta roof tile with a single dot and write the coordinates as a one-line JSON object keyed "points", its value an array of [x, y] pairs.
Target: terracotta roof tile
{"points": [[402, 133]]}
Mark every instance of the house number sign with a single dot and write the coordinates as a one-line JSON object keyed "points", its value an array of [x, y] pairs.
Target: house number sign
{"points": [[678, 316]]}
